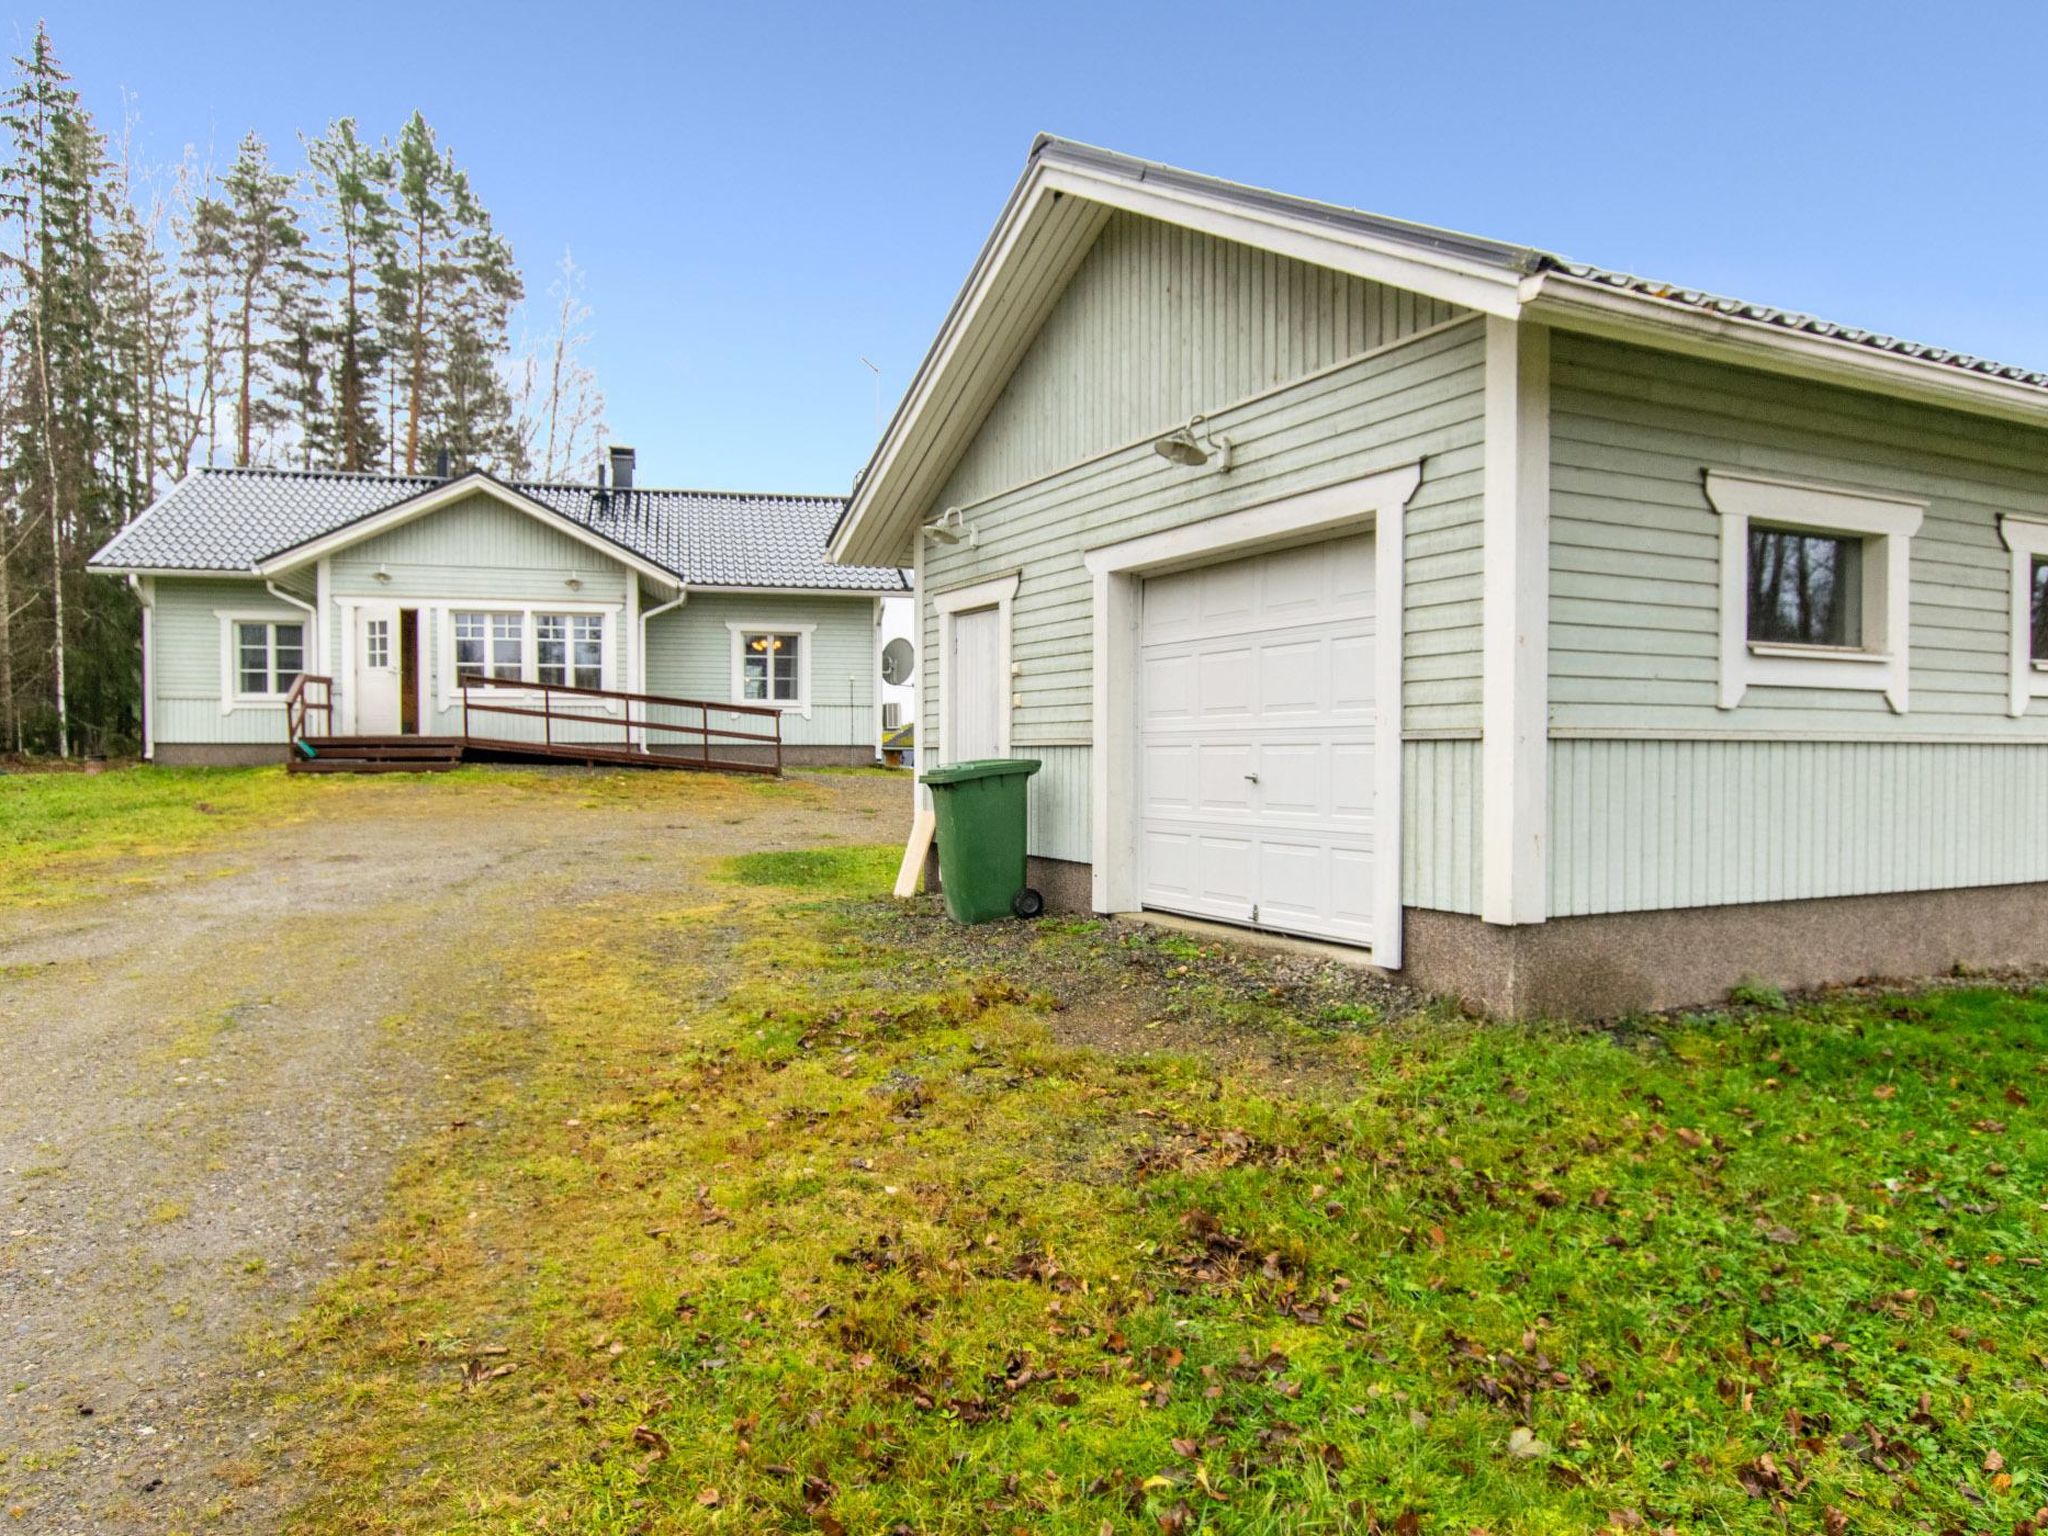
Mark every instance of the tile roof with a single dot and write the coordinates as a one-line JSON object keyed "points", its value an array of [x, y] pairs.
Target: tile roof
{"points": [[230, 519], [1793, 320]]}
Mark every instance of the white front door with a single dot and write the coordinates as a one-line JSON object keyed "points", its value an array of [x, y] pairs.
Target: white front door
{"points": [[376, 661], [1257, 730], [975, 687]]}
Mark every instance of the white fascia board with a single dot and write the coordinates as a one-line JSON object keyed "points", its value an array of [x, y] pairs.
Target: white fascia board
{"points": [[445, 495], [1489, 289], [860, 592], [870, 528], [1594, 309]]}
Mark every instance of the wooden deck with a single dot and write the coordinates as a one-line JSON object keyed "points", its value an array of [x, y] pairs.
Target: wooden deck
{"points": [[568, 720]]}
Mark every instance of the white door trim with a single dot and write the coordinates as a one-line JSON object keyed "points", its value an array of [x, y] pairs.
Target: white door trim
{"points": [[998, 594], [1378, 502]]}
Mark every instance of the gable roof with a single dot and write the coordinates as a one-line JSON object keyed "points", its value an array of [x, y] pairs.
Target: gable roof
{"points": [[1068, 191], [240, 520]]}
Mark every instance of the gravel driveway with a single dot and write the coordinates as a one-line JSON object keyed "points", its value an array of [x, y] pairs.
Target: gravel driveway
{"points": [[208, 1072]]}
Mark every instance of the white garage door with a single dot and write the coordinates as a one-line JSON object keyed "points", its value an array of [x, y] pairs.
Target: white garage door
{"points": [[1256, 727]]}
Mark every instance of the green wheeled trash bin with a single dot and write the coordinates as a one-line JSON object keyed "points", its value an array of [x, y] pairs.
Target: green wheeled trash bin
{"points": [[980, 808]]}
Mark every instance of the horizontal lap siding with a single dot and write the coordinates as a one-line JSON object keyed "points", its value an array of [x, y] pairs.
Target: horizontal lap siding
{"points": [[1704, 807], [185, 636], [1635, 546], [1642, 825], [689, 655]]}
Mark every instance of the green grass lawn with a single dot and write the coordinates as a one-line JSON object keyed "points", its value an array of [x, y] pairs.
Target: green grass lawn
{"points": [[779, 1209]]}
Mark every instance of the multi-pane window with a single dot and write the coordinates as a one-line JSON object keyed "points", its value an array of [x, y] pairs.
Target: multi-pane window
{"points": [[490, 645], [377, 643], [569, 648], [268, 657], [2040, 608], [769, 668], [1805, 588]]}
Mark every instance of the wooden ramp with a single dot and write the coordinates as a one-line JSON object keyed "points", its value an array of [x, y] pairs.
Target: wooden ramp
{"points": [[554, 723]]}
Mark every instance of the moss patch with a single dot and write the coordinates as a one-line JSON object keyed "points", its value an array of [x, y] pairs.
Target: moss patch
{"points": [[783, 1211]]}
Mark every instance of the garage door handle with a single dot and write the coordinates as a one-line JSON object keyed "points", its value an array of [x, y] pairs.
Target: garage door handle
{"points": [[1251, 778]]}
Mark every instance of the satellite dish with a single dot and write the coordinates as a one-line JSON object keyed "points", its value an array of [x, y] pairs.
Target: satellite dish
{"points": [[899, 660]]}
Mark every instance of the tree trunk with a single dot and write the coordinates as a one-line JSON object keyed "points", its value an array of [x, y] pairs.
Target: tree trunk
{"points": [[419, 351]]}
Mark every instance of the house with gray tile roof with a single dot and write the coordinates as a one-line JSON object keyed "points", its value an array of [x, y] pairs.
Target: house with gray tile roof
{"points": [[415, 594], [1560, 638]]}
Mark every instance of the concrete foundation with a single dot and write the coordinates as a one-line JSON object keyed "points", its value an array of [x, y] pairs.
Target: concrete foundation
{"points": [[1630, 962], [216, 754], [1624, 962]]}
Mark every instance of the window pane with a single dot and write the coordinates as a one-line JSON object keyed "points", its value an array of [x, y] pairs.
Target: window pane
{"points": [[377, 643], [589, 633], [2041, 610], [1804, 588], [252, 644], [551, 646], [469, 644], [754, 667], [785, 655], [290, 658], [507, 645]]}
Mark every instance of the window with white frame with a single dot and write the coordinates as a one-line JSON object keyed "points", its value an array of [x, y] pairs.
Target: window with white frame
{"points": [[769, 668], [771, 664], [1815, 589], [2027, 540], [269, 656], [377, 643], [490, 645], [570, 649]]}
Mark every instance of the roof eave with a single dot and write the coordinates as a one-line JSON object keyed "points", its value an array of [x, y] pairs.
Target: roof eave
{"points": [[1570, 303], [878, 524]]}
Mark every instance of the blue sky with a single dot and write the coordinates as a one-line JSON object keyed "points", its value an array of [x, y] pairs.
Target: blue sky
{"points": [[763, 193]]}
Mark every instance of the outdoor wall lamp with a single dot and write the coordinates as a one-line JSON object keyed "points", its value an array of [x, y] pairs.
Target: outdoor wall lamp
{"points": [[382, 574], [952, 527], [1194, 445], [574, 583]]}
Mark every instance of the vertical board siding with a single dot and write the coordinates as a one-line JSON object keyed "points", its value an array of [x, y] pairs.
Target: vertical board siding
{"points": [[1159, 323], [1059, 802], [689, 655], [1635, 546], [1641, 825], [1440, 825]]}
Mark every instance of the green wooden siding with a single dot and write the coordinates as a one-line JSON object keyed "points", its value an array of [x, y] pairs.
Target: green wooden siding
{"points": [[1639, 825], [479, 548], [689, 655], [185, 630], [1798, 792], [1159, 323], [1317, 378], [1635, 547]]}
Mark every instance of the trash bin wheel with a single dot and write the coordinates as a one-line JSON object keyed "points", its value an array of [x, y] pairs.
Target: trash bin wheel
{"points": [[1027, 903]]}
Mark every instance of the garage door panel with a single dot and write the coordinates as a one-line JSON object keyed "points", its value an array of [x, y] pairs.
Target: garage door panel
{"points": [[1256, 758], [1225, 779]]}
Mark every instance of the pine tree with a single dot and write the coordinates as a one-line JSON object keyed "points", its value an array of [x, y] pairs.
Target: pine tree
{"points": [[447, 302], [251, 239], [47, 191], [351, 188]]}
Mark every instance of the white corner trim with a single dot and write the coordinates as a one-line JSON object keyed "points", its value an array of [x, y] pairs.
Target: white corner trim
{"points": [[999, 593], [1376, 501], [739, 630], [2027, 538], [1515, 626], [1886, 525]]}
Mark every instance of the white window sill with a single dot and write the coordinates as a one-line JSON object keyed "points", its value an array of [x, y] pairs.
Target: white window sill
{"points": [[1851, 653], [257, 701], [2041, 664]]}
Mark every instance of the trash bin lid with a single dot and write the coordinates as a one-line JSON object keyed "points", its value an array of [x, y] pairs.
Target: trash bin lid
{"points": [[980, 768]]}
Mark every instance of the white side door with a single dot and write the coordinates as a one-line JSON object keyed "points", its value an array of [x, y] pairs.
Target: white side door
{"points": [[376, 663], [975, 687], [1257, 733]]}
